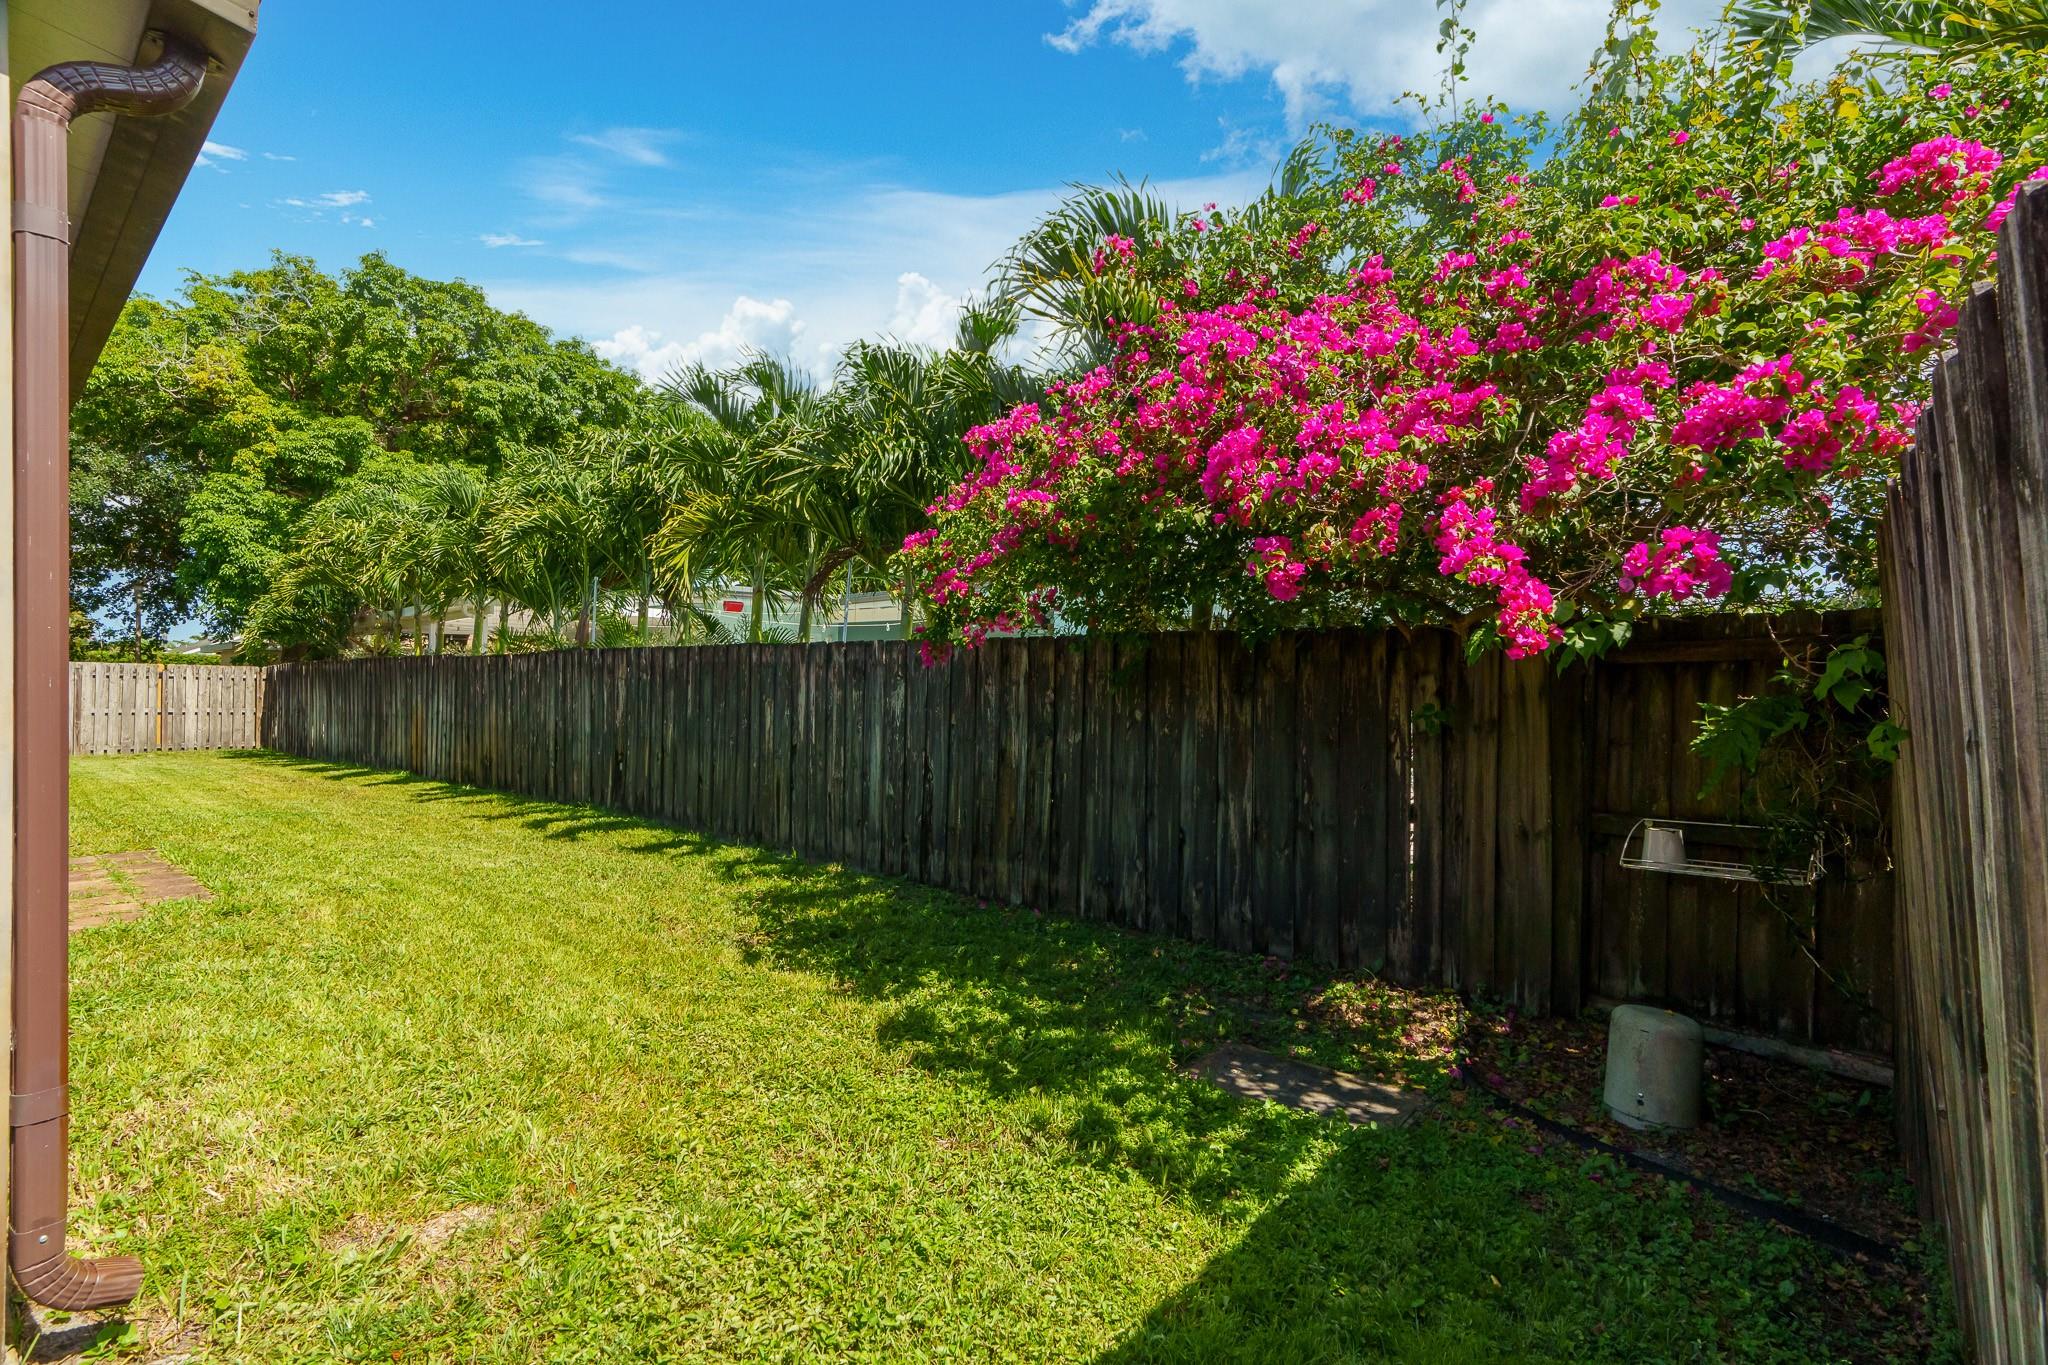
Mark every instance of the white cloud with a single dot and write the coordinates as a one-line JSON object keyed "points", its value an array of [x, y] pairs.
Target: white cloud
{"points": [[925, 315], [834, 265], [639, 348], [868, 261], [495, 240], [750, 325], [1244, 147], [609, 258], [641, 146], [211, 153], [333, 199], [1529, 52], [564, 184], [278, 156], [341, 203], [571, 186]]}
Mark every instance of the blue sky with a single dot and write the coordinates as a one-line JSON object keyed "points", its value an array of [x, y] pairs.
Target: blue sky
{"points": [[678, 181]]}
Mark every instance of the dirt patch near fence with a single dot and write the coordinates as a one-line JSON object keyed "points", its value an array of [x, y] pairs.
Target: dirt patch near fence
{"points": [[1772, 1128]]}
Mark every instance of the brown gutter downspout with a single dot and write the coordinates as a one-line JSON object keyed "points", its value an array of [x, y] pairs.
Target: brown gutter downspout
{"points": [[39, 1115]]}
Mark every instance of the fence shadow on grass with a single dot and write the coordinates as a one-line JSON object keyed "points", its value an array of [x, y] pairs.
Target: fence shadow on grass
{"points": [[1077, 1023], [551, 819]]}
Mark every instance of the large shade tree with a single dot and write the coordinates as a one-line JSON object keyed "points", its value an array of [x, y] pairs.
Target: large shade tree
{"points": [[214, 423]]}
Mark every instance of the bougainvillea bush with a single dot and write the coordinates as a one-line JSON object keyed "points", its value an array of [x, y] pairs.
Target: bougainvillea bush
{"points": [[1530, 381]]}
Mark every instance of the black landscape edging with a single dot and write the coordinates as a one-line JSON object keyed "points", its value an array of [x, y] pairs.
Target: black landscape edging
{"points": [[1825, 1231]]}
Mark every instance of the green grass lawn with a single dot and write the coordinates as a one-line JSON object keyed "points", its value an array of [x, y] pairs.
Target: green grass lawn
{"points": [[443, 1074]]}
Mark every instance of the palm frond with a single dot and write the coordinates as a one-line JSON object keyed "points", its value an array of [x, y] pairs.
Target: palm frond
{"points": [[1956, 26]]}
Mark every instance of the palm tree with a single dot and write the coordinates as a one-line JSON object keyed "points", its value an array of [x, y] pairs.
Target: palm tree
{"points": [[899, 414], [1960, 27], [1050, 273], [442, 504], [389, 536], [769, 481], [453, 501], [727, 450], [624, 478], [547, 535]]}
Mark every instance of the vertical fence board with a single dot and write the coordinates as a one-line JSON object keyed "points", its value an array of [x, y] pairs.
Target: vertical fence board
{"points": [[1070, 773], [1524, 957], [1163, 717], [1198, 794], [1130, 802], [1966, 621], [1364, 936], [1321, 900], [1098, 875], [984, 668], [1041, 726], [1276, 783]]}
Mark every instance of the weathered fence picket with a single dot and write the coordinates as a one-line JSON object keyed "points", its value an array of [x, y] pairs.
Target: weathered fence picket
{"points": [[1966, 610]]}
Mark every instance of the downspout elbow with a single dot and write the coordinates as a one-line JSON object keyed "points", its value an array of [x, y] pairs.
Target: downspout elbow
{"points": [[39, 1115], [70, 89], [73, 1284]]}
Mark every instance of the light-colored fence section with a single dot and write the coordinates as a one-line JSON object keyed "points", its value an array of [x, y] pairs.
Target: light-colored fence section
{"points": [[134, 708], [1966, 622]]}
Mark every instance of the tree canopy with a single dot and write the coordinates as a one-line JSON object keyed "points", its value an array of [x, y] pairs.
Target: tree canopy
{"points": [[1527, 377], [214, 423]]}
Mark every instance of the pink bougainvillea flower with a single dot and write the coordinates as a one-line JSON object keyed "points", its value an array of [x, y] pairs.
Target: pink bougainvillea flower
{"points": [[1272, 560], [1995, 220], [1937, 316], [1344, 426], [1947, 164], [1685, 562]]}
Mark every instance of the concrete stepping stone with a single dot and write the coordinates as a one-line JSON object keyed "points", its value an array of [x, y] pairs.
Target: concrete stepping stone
{"points": [[1259, 1075]]}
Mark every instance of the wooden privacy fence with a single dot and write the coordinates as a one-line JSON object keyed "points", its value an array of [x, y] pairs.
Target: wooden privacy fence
{"points": [[1369, 800], [132, 708], [1739, 953], [1967, 618]]}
